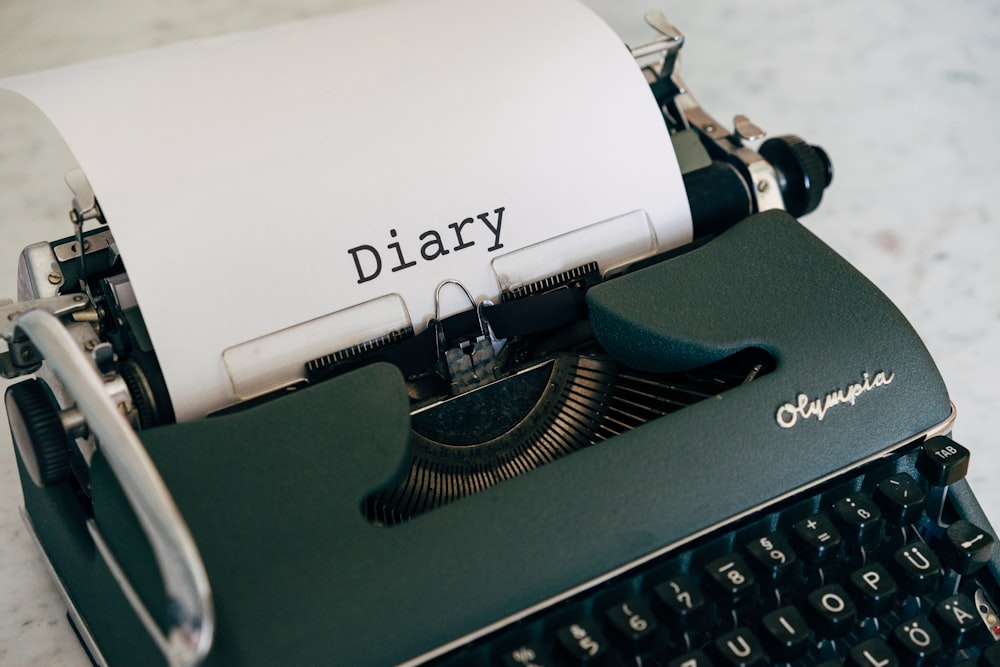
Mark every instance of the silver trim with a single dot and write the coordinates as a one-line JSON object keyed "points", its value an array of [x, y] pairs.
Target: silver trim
{"points": [[669, 40], [64, 252], [56, 305], [84, 201], [134, 600], [38, 273], [938, 429], [689, 112], [189, 596], [82, 629], [987, 614], [18, 348]]}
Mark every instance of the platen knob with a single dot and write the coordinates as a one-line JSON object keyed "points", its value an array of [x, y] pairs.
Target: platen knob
{"points": [[804, 171], [38, 432]]}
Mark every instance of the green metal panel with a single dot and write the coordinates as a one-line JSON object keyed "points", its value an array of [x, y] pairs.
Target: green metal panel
{"points": [[273, 494]]}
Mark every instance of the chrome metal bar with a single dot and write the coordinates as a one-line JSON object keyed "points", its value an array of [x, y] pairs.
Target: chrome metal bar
{"points": [[57, 305], [187, 640]]}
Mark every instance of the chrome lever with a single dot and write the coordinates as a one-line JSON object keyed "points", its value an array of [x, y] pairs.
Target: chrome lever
{"points": [[191, 611]]}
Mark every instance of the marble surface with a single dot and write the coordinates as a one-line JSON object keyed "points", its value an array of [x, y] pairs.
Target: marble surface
{"points": [[902, 96]]}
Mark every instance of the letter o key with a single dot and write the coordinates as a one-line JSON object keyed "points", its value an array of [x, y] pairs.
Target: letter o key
{"points": [[832, 611], [833, 603]]}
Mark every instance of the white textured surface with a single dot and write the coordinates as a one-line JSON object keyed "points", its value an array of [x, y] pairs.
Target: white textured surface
{"points": [[902, 96]]}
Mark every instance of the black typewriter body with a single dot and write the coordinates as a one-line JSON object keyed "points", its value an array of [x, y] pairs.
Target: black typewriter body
{"points": [[738, 454], [539, 564]]}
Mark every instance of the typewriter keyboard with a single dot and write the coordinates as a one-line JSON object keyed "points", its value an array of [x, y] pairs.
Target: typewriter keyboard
{"points": [[873, 570]]}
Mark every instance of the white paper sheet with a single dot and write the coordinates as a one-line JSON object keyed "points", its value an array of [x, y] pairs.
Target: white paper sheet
{"points": [[256, 181]]}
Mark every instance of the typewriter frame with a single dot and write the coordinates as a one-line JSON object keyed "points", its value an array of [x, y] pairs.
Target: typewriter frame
{"points": [[688, 271], [103, 405]]}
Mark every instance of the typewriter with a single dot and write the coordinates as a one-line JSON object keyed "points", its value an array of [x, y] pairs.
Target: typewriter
{"points": [[584, 473]]}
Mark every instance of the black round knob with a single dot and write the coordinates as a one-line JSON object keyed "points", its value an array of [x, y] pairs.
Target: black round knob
{"points": [[803, 171], [38, 432]]}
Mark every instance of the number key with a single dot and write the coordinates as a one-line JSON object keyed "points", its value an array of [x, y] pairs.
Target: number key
{"points": [[682, 602], [582, 642], [633, 622], [731, 579], [773, 557], [526, 655]]}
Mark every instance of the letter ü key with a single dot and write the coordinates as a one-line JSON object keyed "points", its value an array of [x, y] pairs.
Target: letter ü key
{"points": [[918, 567]]}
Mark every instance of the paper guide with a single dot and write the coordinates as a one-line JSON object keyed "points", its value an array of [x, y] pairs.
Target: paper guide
{"points": [[263, 180]]}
